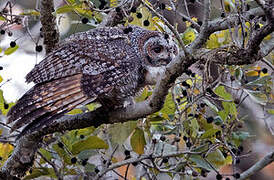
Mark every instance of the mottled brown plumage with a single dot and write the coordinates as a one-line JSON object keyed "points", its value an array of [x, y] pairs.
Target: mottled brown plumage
{"points": [[107, 65]]}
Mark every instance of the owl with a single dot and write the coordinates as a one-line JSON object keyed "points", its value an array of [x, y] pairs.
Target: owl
{"points": [[106, 65]]}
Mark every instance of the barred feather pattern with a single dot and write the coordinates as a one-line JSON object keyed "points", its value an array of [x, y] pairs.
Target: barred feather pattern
{"points": [[106, 65]]}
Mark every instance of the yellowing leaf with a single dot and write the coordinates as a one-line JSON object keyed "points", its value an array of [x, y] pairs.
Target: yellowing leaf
{"points": [[213, 42], [189, 36], [30, 12], [11, 50], [65, 9], [1, 79], [252, 73], [92, 142], [137, 141]]}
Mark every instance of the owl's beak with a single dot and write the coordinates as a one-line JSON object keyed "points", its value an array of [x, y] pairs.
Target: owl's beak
{"points": [[165, 61]]}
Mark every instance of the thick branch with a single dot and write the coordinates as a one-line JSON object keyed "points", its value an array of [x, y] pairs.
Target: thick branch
{"points": [[268, 159], [49, 28]]}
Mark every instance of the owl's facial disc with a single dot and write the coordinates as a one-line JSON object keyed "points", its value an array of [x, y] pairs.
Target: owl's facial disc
{"points": [[159, 51]]}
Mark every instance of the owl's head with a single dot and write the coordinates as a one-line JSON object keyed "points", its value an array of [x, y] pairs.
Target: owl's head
{"points": [[155, 48], [159, 50]]}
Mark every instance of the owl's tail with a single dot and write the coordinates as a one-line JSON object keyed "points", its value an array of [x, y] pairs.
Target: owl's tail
{"points": [[46, 102]]}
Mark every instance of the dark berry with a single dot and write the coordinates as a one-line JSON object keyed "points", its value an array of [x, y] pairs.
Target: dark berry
{"points": [[264, 70], [209, 90], [184, 83], [195, 174], [73, 160], [127, 152], [200, 23], [166, 36], [247, 7], [227, 178], [134, 163], [234, 150], [84, 20], [184, 93], [192, 1], [223, 15], [202, 105], [118, 9], [251, 16], [139, 15], [162, 6], [84, 162], [10, 33], [1, 158], [30, 171], [146, 23], [188, 72], [2, 31], [241, 148], [196, 115], [225, 154], [203, 173], [154, 141], [1, 68], [237, 175], [263, 18], [178, 100], [162, 138], [219, 176], [188, 144], [104, 161], [82, 136], [38, 48], [257, 26], [96, 170], [237, 161], [185, 138], [128, 29], [133, 9], [192, 26], [12, 44], [184, 19], [60, 145], [193, 75], [6, 106], [165, 160], [127, 157], [209, 119]]}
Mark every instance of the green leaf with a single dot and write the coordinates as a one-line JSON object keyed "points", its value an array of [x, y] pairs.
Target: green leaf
{"points": [[92, 142], [124, 129], [11, 50], [220, 91], [46, 154], [137, 141], [2, 18], [62, 154], [37, 172], [65, 9], [200, 162], [209, 133], [216, 158], [30, 12], [189, 35], [1, 79], [239, 74], [169, 106], [212, 106], [270, 111]]}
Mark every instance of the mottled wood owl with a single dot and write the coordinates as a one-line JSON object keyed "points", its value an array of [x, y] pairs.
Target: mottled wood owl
{"points": [[106, 65]]}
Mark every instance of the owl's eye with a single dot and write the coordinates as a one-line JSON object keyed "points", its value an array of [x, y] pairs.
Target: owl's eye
{"points": [[157, 49]]}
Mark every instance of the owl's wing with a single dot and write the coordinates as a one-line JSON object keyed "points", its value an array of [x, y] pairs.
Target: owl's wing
{"points": [[74, 74]]}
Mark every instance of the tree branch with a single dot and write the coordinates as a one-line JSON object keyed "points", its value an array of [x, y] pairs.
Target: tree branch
{"points": [[268, 159], [49, 28]]}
